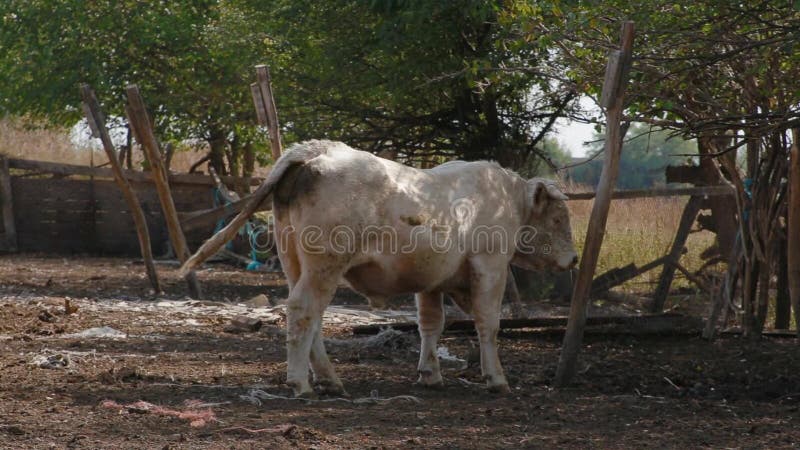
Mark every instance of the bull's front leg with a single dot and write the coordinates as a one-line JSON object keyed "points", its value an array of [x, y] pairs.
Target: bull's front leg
{"points": [[488, 284], [304, 309], [430, 322], [325, 379]]}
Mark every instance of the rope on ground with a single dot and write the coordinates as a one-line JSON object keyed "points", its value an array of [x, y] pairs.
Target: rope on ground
{"points": [[255, 396]]}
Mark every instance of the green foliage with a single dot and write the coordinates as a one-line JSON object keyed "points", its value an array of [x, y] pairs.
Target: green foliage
{"points": [[644, 156], [425, 78], [191, 69], [421, 77]]}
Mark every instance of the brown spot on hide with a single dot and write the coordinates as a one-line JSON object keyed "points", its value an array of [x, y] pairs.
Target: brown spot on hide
{"points": [[413, 221]]}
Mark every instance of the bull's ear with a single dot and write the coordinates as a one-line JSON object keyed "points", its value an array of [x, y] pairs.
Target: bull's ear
{"points": [[537, 196], [555, 192]]}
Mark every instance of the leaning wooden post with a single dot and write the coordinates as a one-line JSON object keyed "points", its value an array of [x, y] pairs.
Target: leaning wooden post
{"points": [[267, 110], [96, 121], [613, 95], [7, 200], [137, 115], [793, 228], [668, 272]]}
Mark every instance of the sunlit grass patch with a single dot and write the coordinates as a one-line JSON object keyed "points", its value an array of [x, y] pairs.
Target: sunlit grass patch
{"points": [[639, 231]]}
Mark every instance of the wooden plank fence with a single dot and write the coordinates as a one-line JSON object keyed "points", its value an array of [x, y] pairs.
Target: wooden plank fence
{"points": [[65, 209]]}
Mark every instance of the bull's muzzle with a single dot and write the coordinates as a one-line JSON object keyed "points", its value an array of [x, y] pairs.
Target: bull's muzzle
{"points": [[568, 261]]}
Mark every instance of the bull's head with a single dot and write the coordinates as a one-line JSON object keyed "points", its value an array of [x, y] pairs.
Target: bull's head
{"points": [[545, 239]]}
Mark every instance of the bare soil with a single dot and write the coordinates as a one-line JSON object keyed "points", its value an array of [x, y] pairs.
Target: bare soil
{"points": [[632, 392]]}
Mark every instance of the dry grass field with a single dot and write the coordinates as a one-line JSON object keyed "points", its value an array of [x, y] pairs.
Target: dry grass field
{"points": [[26, 139], [639, 231]]}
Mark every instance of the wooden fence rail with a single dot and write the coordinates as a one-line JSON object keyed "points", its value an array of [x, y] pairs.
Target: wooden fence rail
{"points": [[700, 191], [132, 175]]}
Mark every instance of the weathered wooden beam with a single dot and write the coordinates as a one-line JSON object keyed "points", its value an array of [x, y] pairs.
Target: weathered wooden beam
{"points": [[702, 191], [207, 217], [7, 200], [132, 175], [668, 273], [530, 322], [258, 102], [140, 122], [268, 100], [619, 62], [693, 278], [617, 276], [97, 122]]}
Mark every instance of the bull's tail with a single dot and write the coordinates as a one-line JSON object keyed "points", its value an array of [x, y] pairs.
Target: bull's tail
{"points": [[297, 155]]}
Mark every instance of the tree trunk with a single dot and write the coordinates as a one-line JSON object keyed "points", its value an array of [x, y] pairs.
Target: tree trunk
{"points": [[783, 307], [723, 209], [249, 165], [129, 153], [234, 152], [762, 302], [793, 229], [749, 290], [216, 156]]}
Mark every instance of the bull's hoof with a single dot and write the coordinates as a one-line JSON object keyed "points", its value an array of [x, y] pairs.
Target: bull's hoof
{"points": [[499, 388], [497, 384], [332, 388], [430, 380], [307, 395], [302, 390]]}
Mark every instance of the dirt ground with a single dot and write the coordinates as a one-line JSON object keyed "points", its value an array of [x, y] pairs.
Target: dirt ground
{"points": [[66, 382]]}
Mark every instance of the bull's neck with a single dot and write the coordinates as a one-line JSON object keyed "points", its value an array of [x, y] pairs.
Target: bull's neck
{"points": [[523, 204]]}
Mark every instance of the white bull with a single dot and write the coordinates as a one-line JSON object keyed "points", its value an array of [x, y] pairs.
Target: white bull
{"points": [[388, 229]]}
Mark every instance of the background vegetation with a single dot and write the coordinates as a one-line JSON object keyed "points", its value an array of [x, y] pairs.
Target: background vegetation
{"points": [[421, 78]]}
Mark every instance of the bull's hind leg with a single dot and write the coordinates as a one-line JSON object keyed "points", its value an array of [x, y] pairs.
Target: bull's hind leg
{"points": [[304, 309], [430, 313], [287, 254], [488, 284]]}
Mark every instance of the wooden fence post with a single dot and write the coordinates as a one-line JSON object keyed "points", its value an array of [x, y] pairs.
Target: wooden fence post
{"points": [[267, 111], [7, 200], [612, 100], [140, 122], [97, 123], [793, 228], [668, 272]]}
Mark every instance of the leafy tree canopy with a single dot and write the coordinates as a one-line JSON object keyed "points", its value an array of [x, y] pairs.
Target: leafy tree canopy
{"points": [[421, 78]]}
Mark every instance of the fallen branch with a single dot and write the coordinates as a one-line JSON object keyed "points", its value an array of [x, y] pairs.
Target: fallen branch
{"points": [[280, 429]]}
